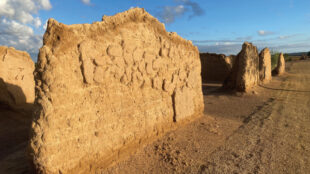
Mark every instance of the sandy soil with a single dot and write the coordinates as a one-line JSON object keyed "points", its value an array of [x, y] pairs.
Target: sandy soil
{"points": [[266, 131]]}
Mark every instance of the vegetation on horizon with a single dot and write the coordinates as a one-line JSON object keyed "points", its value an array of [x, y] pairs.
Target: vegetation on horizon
{"points": [[275, 57]]}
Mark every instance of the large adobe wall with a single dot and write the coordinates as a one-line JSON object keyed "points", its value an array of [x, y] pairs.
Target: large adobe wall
{"points": [[16, 72], [245, 71], [215, 67], [280, 69], [105, 87], [265, 65]]}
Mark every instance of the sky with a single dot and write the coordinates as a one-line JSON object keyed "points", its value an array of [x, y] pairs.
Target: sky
{"points": [[217, 26]]}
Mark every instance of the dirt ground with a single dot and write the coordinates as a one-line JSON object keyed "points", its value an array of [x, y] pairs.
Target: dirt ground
{"points": [[265, 131]]}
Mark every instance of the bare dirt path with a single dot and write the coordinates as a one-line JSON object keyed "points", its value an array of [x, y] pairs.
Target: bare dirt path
{"points": [[268, 132], [275, 139]]}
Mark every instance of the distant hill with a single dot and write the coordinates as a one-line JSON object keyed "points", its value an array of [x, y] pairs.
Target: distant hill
{"points": [[297, 54]]}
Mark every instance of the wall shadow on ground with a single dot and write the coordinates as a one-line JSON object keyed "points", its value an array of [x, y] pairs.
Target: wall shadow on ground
{"points": [[215, 89], [232, 105], [15, 125]]}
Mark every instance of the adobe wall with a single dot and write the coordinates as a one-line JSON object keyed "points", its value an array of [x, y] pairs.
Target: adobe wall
{"points": [[16, 72], [245, 71], [265, 65], [106, 87], [280, 69], [215, 67]]}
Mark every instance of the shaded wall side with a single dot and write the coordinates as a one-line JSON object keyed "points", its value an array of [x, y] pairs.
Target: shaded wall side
{"points": [[214, 67]]}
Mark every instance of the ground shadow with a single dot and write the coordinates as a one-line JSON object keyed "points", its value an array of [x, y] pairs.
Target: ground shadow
{"points": [[232, 105], [215, 88], [15, 125], [274, 72]]}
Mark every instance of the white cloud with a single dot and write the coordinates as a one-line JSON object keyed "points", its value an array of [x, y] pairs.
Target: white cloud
{"points": [[17, 20], [265, 33], [37, 22], [195, 8], [283, 37], [288, 36], [87, 2], [292, 47], [238, 40], [13, 27], [45, 4], [19, 36], [169, 13], [23, 10], [234, 46], [228, 43], [179, 9], [45, 25], [219, 48]]}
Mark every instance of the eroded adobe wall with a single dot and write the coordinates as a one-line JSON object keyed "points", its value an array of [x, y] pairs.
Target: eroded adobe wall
{"points": [[16, 72], [215, 67], [265, 65], [104, 88], [245, 71], [280, 69]]}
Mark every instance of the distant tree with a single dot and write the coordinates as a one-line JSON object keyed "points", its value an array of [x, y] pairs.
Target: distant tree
{"points": [[308, 54]]}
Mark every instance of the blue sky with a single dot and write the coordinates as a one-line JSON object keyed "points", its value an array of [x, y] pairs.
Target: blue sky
{"points": [[214, 26]]}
